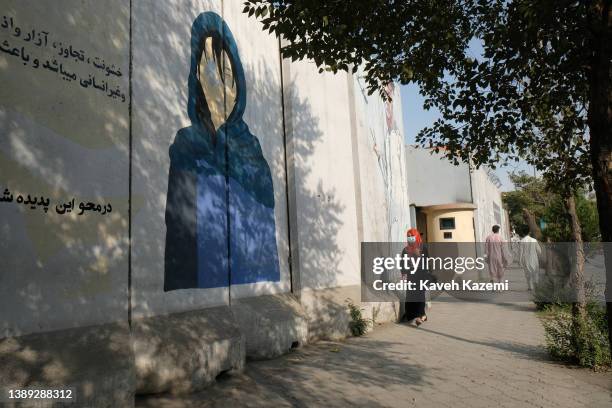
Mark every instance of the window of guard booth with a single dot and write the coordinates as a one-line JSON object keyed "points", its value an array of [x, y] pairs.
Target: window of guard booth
{"points": [[447, 223]]}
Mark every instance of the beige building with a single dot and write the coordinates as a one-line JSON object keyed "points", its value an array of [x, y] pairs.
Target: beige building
{"points": [[448, 222], [451, 203]]}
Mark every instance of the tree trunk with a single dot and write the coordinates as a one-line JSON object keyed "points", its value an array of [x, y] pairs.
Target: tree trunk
{"points": [[577, 266], [535, 230], [600, 127], [549, 253]]}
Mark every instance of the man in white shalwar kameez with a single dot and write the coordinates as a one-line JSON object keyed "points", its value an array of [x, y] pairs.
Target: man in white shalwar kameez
{"points": [[529, 252]]}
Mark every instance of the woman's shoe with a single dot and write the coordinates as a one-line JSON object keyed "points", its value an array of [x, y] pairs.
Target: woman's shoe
{"points": [[418, 321]]}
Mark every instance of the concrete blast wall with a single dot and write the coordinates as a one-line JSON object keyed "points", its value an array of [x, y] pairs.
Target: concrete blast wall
{"points": [[488, 200], [383, 181], [63, 145], [174, 197], [64, 212], [162, 57]]}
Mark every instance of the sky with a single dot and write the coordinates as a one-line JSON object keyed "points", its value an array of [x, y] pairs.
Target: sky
{"points": [[416, 118]]}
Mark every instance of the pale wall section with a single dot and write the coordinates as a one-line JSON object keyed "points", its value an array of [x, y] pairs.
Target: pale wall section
{"points": [[382, 185], [372, 141], [401, 195], [161, 60], [318, 119], [62, 138], [488, 200], [162, 54], [383, 178], [434, 180], [259, 53], [347, 185]]}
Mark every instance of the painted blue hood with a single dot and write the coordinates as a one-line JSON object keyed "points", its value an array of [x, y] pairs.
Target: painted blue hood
{"points": [[207, 25]]}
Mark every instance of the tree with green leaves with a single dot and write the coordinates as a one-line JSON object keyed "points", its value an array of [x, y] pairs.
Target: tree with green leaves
{"points": [[546, 65], [534, 200], [536, 89], [527, 203], [409, 41]]}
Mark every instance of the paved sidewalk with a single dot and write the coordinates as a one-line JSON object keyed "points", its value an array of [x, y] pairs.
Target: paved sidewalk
{"points": [[466, 355]]}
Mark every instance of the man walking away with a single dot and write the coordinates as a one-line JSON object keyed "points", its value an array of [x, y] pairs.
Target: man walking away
{"points": [[529, 253], [496, 256]]}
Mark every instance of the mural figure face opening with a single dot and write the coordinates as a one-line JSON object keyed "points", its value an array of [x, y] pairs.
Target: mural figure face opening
{"points": [[220, 226], [217, 80]]}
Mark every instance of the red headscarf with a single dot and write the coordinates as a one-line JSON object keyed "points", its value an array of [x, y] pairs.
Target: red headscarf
{"points": [[413, 246]]}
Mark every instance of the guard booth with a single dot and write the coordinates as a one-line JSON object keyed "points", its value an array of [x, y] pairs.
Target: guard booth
{"points": [[446, 222], [448, 230]]}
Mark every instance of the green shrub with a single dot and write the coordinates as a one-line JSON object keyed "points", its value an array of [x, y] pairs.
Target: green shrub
{"points": [[550, 292], [554, 292], [358, 324], [585, 343]]}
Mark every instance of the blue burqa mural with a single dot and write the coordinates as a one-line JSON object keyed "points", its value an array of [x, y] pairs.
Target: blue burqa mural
{"points": [[220, 204]]}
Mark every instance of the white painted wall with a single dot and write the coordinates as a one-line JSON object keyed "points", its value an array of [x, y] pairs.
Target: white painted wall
{"points": [[318, 117], [260, 58], [162, 54], [486, 197], [383, 176], [434, 180], [63, 140]]}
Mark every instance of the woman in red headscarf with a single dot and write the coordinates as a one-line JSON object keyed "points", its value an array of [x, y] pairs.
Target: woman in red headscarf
{"points": [[415, 299]]}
